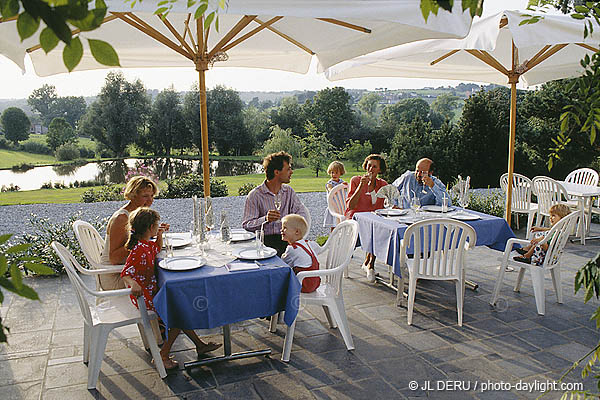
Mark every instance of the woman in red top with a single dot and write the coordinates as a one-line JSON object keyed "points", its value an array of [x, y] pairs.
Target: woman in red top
{"points": [[362, 197], [138, 274]]}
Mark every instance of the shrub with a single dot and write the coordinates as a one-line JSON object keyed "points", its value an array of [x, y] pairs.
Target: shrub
{"points": [[488, 201], [9, 188], [35, 147], [22, 167], [47, 185], [192, 184], [86, 152], [103, 193], [67, 152], [246, 188], [46, 232], [4, 144]]}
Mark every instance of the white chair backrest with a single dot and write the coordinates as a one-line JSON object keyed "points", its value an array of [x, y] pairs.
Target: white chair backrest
{"points": [[559, 235], [308, 221], [71, 265], [336, 201], [549, 192], [341, 243], [92, 244], [521, 191], [583, 176], [438, 247]]}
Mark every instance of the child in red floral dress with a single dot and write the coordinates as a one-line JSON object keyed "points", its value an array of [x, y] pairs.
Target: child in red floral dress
{"points": [[138, 274]]}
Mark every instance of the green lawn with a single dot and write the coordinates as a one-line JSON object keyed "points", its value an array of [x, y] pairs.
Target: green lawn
{"points": [[303, 180], [8, 158]]}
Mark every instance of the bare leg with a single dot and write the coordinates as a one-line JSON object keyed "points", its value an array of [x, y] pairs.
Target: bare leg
{"points": [[371, 261], [171, 336], [201, 347]]}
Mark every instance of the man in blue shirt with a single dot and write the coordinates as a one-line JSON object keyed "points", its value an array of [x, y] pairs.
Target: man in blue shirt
{"points": [[421, 183]]}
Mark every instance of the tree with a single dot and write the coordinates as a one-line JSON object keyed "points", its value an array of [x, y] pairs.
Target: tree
{"points": [[356, 152], [225, 122], [368, 103], [42, 101], [59, 133], [71, 108], [445, 104], [318, 151], [289, 115], [331, 113], [166, 125], [191, 115], [283, 140], [117, 117], [257, 123], [15, 124]]}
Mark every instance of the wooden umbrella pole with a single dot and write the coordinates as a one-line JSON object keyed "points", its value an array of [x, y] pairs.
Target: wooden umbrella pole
{"points": [[201, 67], [513, 78]]}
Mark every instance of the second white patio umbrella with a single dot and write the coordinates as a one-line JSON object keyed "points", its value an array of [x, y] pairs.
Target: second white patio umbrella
{"points": [[273, 34], [497, 50]]}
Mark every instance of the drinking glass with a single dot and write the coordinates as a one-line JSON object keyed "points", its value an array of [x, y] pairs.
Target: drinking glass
{"points": [[387, 204], [210, 215], [415, 204], [168, 245], [259, 242], [277, 201]]}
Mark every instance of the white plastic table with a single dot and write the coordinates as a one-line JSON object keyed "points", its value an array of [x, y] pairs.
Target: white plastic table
{"points": [[584, 194]]}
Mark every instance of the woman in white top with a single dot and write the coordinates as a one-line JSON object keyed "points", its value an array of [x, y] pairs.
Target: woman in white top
{"points": [[140, 192]]}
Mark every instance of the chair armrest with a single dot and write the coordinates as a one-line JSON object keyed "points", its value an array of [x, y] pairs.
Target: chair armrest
{"points": [[319, 273], [113, 293], [106, 269], [512, 241]]}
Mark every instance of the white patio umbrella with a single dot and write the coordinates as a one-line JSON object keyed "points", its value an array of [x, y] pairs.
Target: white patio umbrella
{"points": [[274, 34], [497, 50]]}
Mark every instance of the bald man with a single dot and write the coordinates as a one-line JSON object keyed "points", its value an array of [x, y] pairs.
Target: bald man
{"points": [[421, 182]]}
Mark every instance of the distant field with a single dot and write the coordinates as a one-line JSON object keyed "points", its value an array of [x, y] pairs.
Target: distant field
{"points": [[303, 180], [8, 158]]}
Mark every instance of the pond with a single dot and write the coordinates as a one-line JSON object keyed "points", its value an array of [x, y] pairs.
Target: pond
{"points": [[115, 171]]}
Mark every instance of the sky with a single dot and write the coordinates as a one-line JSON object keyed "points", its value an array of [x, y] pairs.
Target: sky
{"points": [[15, 85]]}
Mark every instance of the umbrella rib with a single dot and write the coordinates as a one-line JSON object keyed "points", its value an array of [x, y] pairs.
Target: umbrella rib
{"points": [[588, 47], [188, 30], [251, 33], [549, 53], [488, 59], [286, 37], [8, 19], [444, 57], [73, 32], [534, 58], [242, 23], [144, 27], [175, 33], [345, 24]]}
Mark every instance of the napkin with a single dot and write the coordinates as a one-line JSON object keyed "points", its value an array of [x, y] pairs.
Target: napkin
{"points": [[389, 192], [241, 266]]}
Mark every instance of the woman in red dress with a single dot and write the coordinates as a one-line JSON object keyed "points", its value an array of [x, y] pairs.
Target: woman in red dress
{"points": [[362, 197]]}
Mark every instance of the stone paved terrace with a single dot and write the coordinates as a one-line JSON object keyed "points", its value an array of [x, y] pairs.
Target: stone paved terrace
{"points": [[512, 344]]}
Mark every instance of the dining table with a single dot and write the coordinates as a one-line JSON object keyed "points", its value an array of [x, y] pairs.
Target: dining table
{"points": [[585, 195], [381, 235], [222, 290]]}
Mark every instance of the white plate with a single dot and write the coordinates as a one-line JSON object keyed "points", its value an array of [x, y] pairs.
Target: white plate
{"points": [[249, 253], [181, 263], [179, 239], [465, 217], [241, 236], [392, 212], [434, 208]]}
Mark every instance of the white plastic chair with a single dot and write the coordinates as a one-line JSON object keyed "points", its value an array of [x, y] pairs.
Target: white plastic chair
{"points": [[556, 240], [439, 246], [584, 176], [308, 221], [549, 192], [521, 197], [92, 245], [98, 321], [336, 201], [340, 244]]}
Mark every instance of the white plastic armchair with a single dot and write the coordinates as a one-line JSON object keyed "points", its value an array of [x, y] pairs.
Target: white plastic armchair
{"points": [[521, 197], [556, 240], [439, 246], [336, 201], [549, 192], [92, 245], [583, 176], [340, 246], [308, 222], [98, 321]]}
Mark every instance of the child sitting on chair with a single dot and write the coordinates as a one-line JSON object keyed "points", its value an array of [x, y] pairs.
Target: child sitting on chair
{"points": [[534, 253], [300, 254]]}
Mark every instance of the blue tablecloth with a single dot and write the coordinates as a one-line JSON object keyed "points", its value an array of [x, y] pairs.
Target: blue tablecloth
{"points": [[381, 236], [209, 297]]}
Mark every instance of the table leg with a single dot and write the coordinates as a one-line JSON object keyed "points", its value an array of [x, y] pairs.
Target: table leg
{"points": [[227, 352]]}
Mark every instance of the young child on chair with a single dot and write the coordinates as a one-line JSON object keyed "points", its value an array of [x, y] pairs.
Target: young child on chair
{"points": [[335, 171], [138, 274], [300, 253], [534, 253]]}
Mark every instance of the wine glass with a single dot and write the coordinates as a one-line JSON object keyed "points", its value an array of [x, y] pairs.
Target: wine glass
{"points": [[464, 199], [277, 201], [387, 203]]}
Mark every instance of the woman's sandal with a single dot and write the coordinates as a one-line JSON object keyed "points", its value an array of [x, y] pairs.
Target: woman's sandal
{"points": [[169, 363], [208, 347], [521, 251]]}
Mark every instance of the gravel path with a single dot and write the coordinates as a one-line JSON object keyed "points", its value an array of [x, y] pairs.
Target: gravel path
{"points": [[177, 212]]}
